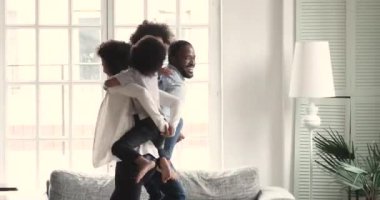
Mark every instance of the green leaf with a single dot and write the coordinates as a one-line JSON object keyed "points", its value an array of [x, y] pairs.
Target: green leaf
{"points": [[334, 144], [353, 169], [338, 158]]}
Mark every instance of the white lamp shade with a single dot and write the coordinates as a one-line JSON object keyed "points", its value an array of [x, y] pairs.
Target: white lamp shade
{"points": [[311, 70]]}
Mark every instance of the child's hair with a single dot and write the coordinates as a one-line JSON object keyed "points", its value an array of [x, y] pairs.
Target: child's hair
{"points": [[116, 54], [148, 55], [155, 29], [175, 47]]}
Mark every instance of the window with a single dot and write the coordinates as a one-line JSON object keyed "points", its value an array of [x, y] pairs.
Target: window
{"points": [[52, 79]]}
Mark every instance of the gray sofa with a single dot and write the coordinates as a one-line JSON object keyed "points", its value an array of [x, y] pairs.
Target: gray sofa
{"points": [[238, 184]]}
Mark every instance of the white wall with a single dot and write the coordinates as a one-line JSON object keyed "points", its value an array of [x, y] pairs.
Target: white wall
{"points": [[257, 44]]}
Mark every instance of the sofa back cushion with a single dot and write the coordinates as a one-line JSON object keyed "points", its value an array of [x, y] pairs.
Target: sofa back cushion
{"points": [[236, 184], [67, 185]]}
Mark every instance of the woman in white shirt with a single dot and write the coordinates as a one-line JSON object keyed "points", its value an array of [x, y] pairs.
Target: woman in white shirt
{"points": [[111, 125]]}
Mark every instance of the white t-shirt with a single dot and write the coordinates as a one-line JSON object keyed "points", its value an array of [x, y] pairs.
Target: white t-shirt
{"points": [[149, 82], [115, 118], [160, 98]]}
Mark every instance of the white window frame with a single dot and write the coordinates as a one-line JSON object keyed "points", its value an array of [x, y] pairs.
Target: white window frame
{"points": [[107, 32], [69, 82], [215, 83], [2, 91]]}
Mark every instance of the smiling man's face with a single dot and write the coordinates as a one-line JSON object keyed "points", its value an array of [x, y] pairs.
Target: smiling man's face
{"points": [[184, 61]]}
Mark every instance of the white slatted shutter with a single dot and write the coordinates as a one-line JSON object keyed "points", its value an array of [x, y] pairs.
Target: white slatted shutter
{"points": [[326, 20], [353, 29], [365, 122], [335, 114], [366, 73]]}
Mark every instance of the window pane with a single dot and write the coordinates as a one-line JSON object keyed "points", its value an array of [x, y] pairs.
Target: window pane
{"points": [[50, 150], [87, 72], [129, 12], [82, 156], [86, 103], [53, 110], [21, 72], [84, 45], [195, 111], [198, 37], [53, 46], [200, 73], [196, 148], [192, 153], [194, 11], [163, 11], [21, 165], [58, 72], [53, 12], [86, 12], [16, 14], [20, 54], [21, 111], [124, 34]]}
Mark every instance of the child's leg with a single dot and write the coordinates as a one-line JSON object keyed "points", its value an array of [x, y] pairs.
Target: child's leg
{"points": [[159, 143], [167, 171], [124, 148]]}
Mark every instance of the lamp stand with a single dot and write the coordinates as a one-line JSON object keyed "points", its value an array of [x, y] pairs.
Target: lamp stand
{"points": [[311, 122]]}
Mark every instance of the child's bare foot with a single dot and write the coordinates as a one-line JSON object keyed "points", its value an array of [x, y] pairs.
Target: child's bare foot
{"points": [[144, 166], [167, 173]]}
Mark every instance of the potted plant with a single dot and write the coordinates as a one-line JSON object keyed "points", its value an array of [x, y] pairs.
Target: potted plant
{"points": [[338, 157]]}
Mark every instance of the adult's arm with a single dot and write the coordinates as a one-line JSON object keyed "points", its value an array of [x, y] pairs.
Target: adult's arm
{"points": [[174, 105], [122, 78]]}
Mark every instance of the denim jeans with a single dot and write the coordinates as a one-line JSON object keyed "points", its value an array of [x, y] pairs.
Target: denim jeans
{"points": [[126, 187], [171, 141], [171, 190], [174, 188], [143, 131]]}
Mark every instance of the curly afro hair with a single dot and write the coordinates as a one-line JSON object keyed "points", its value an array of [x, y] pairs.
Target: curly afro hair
{"points": [[155, 29], [116, 54], [148, 55]]}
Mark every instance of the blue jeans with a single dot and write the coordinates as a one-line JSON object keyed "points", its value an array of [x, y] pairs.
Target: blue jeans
{"points": [[173, 190], [171, 141]]}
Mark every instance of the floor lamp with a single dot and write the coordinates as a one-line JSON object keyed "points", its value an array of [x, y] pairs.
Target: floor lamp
{"points": [[311, 78]]}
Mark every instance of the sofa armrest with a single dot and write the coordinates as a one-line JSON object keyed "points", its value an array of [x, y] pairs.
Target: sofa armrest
{"points": [[275, 193]]}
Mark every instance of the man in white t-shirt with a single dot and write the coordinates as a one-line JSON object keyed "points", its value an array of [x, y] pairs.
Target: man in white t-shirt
{"points": [[181, 66]]}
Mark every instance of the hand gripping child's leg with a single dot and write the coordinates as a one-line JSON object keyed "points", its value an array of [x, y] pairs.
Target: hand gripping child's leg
{"points": [[144, 166]]}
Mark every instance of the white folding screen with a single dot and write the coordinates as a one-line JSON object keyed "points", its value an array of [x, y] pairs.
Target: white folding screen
{"points": [[352, 27]]}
